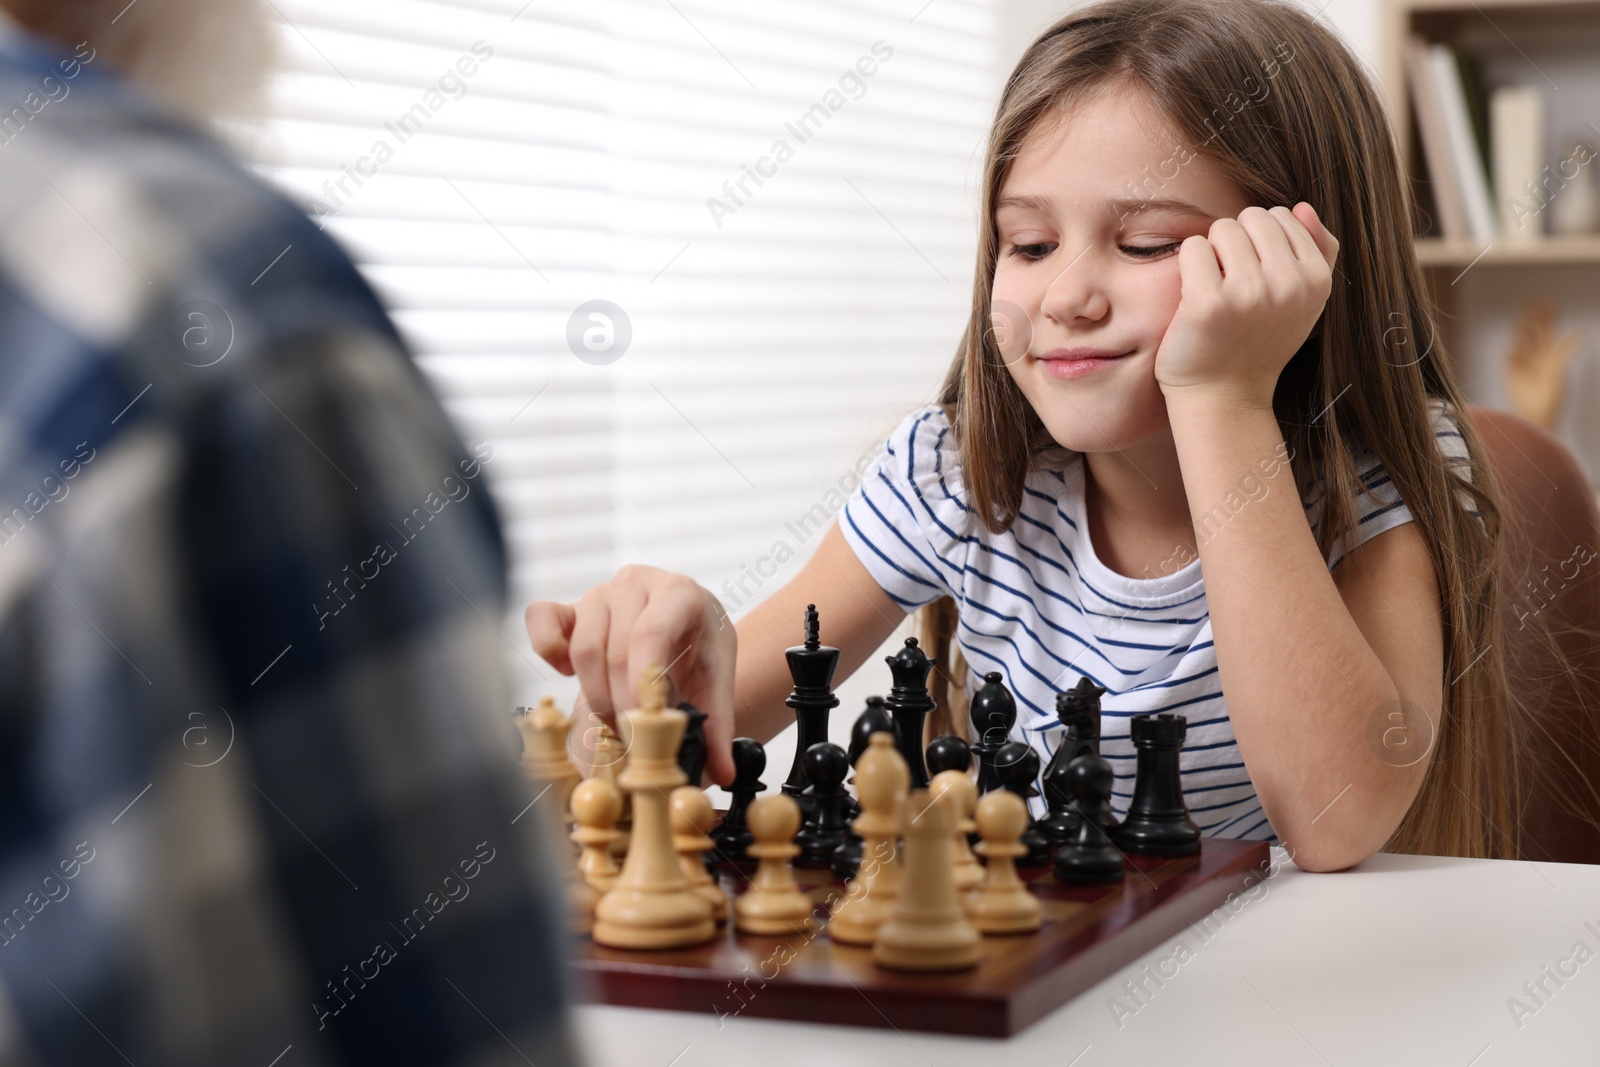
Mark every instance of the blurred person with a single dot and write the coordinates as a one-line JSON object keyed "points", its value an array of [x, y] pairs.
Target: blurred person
{"points": [[258, 798]]}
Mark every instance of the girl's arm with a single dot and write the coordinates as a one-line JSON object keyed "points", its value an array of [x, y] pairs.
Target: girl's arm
{"points": [[856, 617], [1308, 662], [645, 617]]}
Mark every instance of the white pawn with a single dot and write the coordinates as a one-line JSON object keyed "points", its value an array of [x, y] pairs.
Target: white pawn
{"points": [[610, 756], [773, 904], [596, 803], [964, 794], [927, 930], [692, 816], [881, 782], [1002, 904]]}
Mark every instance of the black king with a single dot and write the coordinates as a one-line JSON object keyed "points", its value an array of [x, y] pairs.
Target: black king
{"points": [[811, 665]]}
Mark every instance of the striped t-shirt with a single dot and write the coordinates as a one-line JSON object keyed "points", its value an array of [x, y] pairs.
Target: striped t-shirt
{"points": [[1038, 606]]}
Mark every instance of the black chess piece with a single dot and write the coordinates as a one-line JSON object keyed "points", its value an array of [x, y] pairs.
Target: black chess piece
{"points": [[1017, 765], [811, 665], [1078, 709], [692, 749], [949, 753], [1158, 822], [909, 704], [1060, 823], [993, 713], [1089, 857], [732, 835], [874, 719], [825, 829]]}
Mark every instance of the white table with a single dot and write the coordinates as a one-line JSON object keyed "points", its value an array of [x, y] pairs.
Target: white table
{"points": [[1403, 960]]}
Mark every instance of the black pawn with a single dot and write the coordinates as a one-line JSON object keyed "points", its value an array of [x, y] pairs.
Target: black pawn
{"points": [[875, 719], [1158, 822], [1017, 765], [811, 665], [1060, 824], [993, 713], [1089, 857], [949, 753], [909, 704], [825, 829], [732, 836], [692, 749]]}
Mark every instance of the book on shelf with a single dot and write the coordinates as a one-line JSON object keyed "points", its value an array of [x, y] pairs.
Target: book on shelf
{"points": [[1517, 122], [1453, 123]]}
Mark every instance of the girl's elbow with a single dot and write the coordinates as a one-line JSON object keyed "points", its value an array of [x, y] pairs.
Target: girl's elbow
{"points": [[1325, 853], [1328, 862]]}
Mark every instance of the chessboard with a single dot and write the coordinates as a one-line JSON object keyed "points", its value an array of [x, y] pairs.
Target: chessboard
{"points": [[1088, 934], [964, 913]]}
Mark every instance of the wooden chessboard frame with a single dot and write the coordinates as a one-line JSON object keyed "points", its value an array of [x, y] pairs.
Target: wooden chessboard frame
{"points": [[1089, 933]]}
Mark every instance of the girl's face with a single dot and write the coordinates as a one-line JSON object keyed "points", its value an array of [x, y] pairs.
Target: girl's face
{"points": [[1090, 217]]}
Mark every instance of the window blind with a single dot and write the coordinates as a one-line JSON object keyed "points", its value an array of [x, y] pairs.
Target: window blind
{"points": [[780, 199]]}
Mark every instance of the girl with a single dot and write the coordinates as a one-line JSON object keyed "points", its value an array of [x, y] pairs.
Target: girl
{"points": [[1191, 446]]}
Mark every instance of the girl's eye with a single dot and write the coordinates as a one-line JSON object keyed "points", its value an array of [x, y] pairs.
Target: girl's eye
{"points": [[1148, 253], [1031, 252], [1035, 252]]}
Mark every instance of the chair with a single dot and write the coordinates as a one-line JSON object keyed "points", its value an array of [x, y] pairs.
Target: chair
{"points": [[1551, 527]]}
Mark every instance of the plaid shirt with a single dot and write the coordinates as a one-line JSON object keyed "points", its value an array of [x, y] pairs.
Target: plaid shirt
{"points": [[258, 796]]}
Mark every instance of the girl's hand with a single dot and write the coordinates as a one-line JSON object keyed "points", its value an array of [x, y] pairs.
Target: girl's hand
{"points": [[645, 616], [1252, 290]]}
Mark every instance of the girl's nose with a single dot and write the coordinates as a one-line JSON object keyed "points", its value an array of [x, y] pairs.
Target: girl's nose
{"points": [[1077, 291]]}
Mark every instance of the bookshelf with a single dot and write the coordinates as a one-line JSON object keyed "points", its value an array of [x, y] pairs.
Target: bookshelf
{"points": [[1481, 277]]}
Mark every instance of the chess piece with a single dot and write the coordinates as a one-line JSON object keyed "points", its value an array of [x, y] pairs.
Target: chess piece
{"points": [[773, 904], [652, 905], [909, 705], [949, 753], [692, 752], [926, 929], [846, 859], [1089, 858], [1016, 765], [1078, 709], [1158, 822], [732, 835], [881, 783], [963, 794], [993, 713], [692, 816], [544, 751], [811, 665], [825, 828], [1058, 825], [1002, 904], [609, 754], [874, 719], [581, 900], [1095, 807], [596, 803]]}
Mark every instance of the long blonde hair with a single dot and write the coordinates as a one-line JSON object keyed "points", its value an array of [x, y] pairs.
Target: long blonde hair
{"points": [[1318, 133]]}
